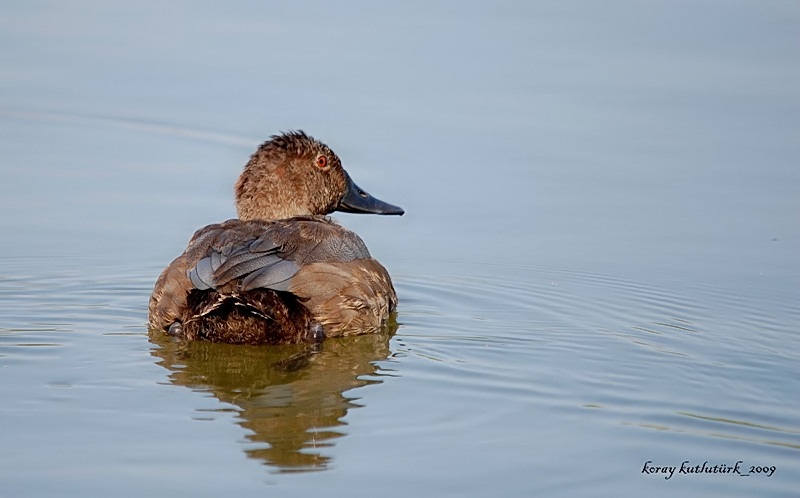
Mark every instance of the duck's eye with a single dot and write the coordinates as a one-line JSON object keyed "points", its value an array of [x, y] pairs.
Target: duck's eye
{"points": [[322, 162]]}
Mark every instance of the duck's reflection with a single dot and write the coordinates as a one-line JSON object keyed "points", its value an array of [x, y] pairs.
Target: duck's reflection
{"points": [[292, 398]]}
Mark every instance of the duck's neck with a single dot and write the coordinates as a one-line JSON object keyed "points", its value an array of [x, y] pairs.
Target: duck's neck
{"points": [[261, 209], [262, 199]]}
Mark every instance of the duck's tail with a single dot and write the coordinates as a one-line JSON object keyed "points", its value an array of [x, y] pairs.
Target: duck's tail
{"points": [[260, 316]]}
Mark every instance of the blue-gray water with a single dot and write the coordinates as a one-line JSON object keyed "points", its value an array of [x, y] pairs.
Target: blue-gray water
{"points": [[598, 267]]}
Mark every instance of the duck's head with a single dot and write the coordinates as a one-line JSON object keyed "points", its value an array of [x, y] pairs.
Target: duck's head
{"points": [[293, 174]]}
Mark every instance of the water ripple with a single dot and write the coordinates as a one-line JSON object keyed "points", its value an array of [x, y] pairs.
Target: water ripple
{"points": [[493, 352], [552, 337]]}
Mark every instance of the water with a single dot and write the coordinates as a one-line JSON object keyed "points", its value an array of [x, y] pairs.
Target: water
{"points": [[597, 269]]}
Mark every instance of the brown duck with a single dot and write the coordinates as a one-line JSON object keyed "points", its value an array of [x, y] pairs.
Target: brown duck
{"points": [[282, 272]]}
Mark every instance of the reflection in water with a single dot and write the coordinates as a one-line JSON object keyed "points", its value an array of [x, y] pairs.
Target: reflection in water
{"points": [[291, 397]]}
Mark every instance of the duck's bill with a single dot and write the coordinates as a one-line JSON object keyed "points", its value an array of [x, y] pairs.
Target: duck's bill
{"points": [[356, 200]]}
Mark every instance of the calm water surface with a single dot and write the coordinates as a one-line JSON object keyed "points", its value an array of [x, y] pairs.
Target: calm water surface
{"points": [[597, 269]]}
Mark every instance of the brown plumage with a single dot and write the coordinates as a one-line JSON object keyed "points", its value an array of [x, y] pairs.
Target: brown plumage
{"points": [[282, 272]]}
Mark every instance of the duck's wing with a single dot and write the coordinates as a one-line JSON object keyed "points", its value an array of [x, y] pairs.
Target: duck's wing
{"points": [[243, 256], [248, 255], [219, 256]]}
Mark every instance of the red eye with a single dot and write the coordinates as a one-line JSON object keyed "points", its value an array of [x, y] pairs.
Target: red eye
{"points": [[322, 162]]}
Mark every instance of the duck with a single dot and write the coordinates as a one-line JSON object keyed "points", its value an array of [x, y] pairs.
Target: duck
{"points": [[283, 272]]}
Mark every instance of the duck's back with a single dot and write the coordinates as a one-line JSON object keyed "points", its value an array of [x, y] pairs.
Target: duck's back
{"points": [[284, 281]]}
